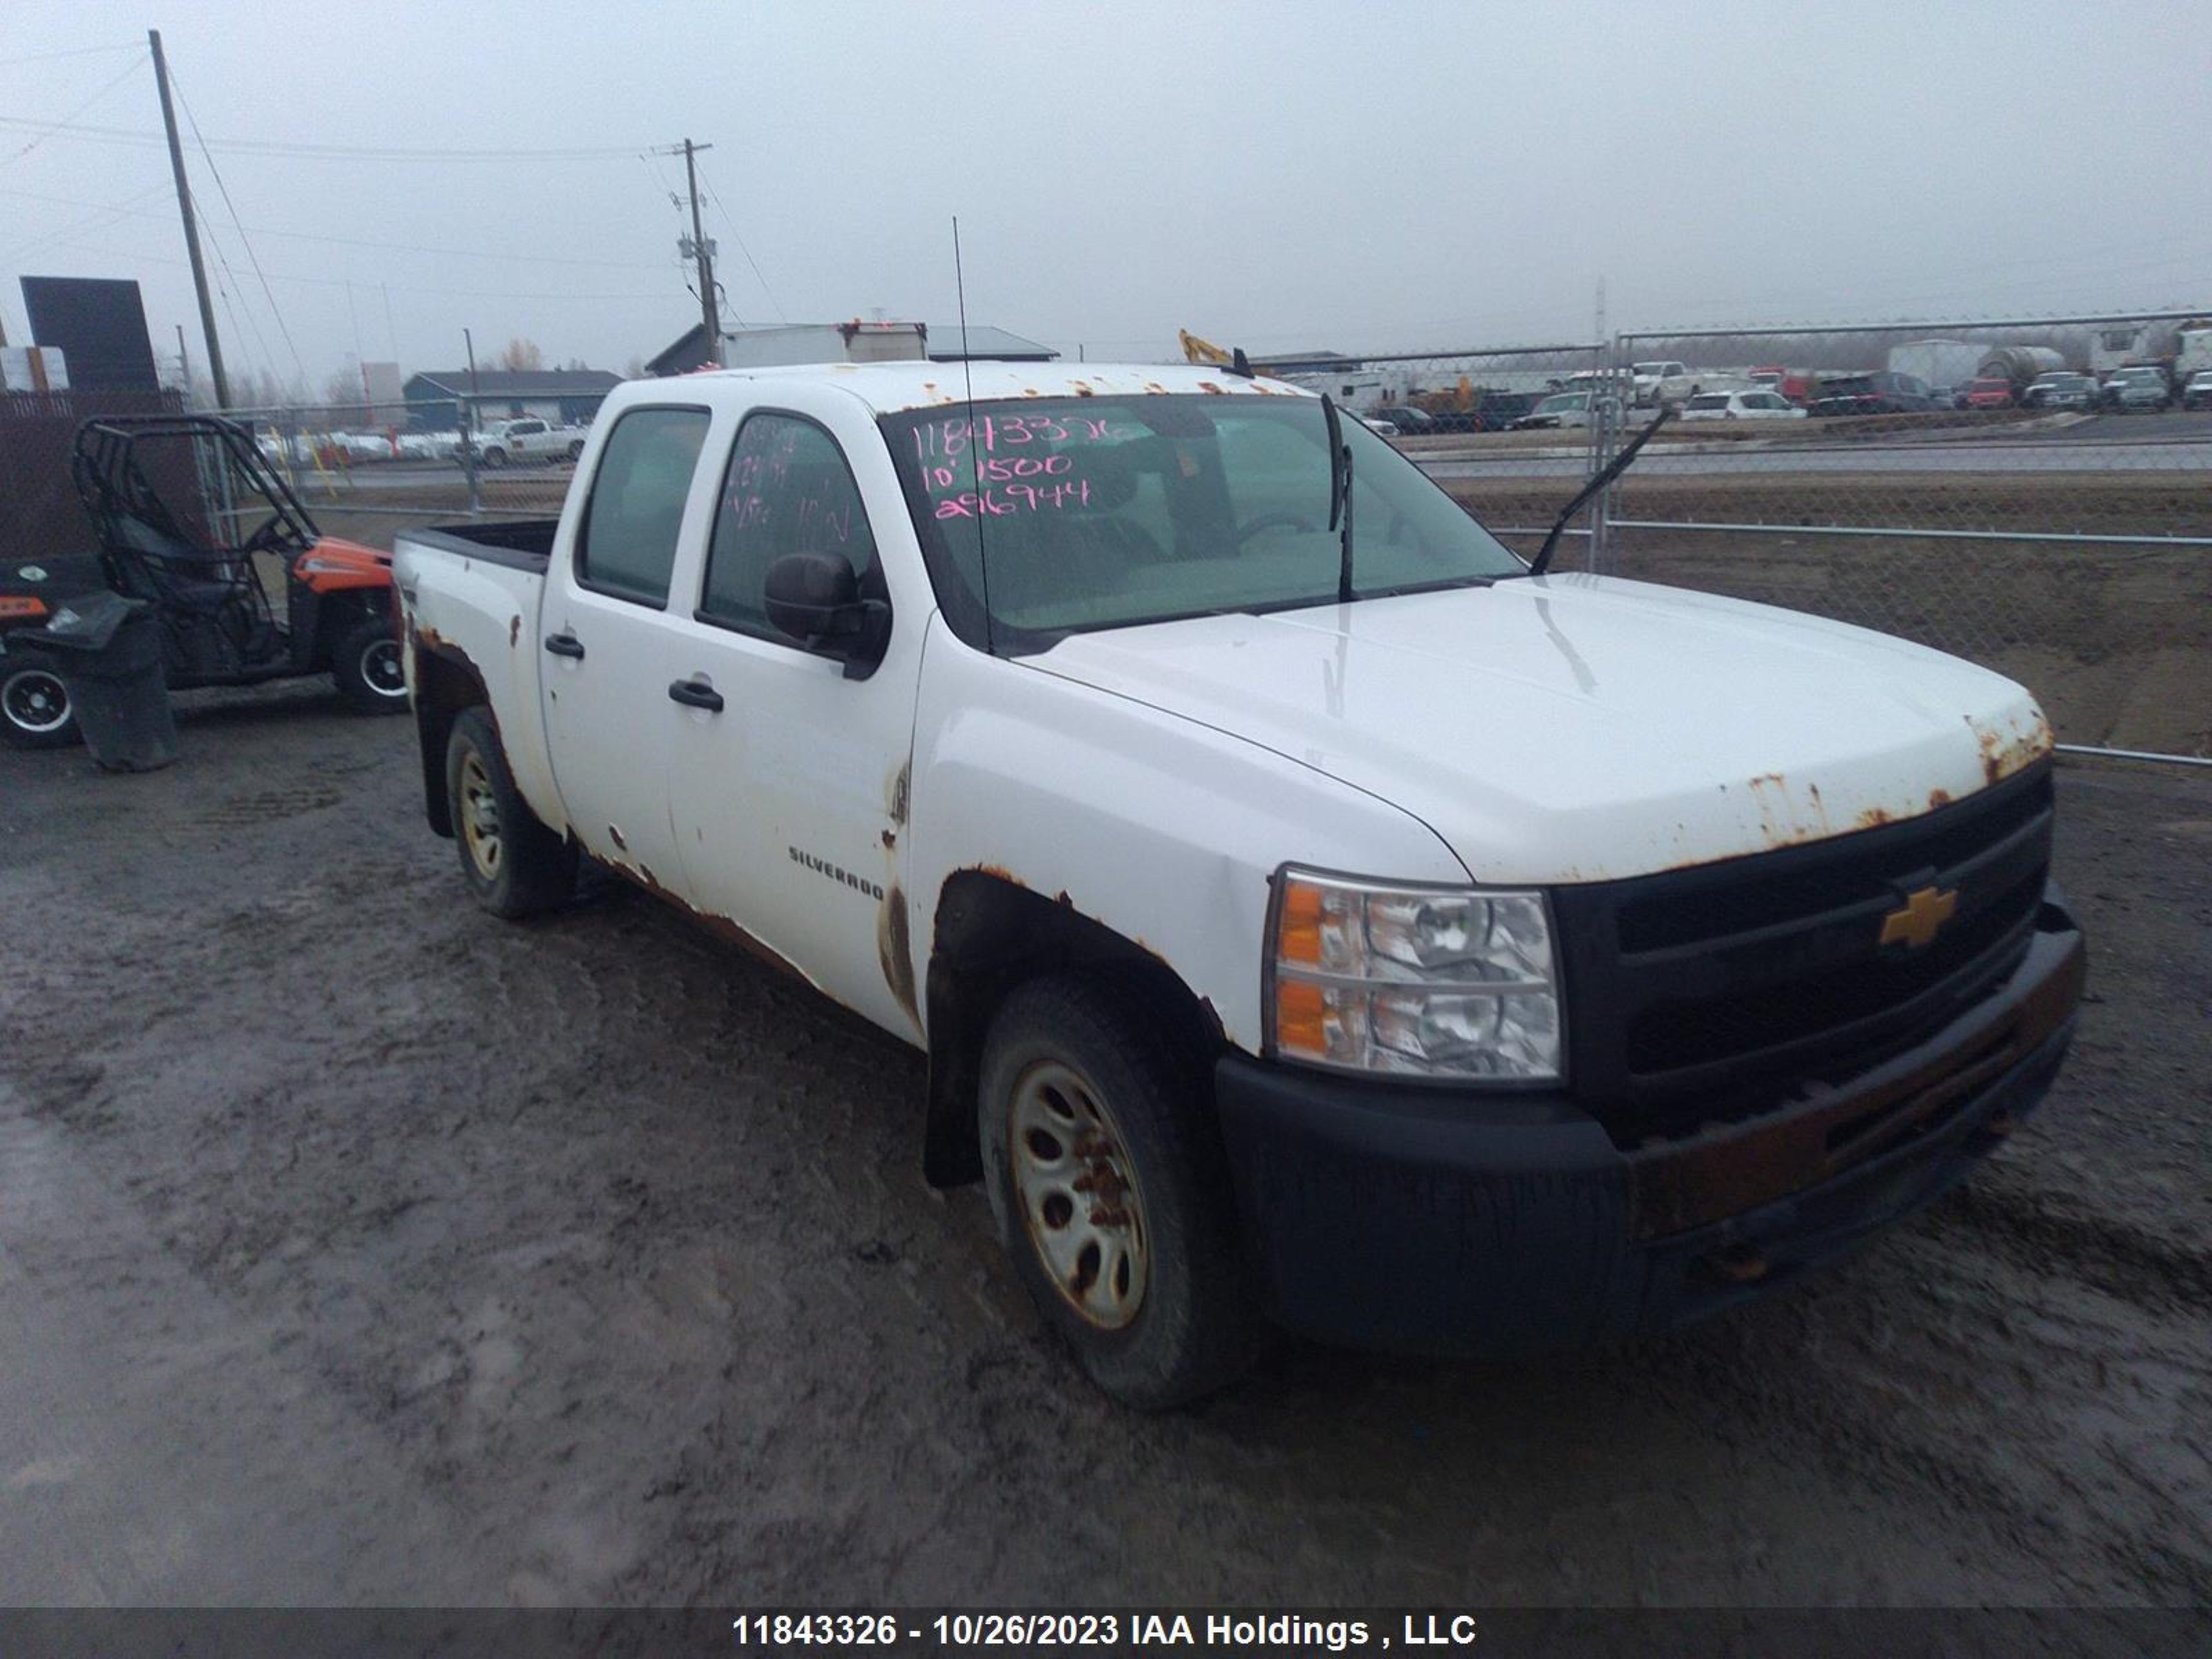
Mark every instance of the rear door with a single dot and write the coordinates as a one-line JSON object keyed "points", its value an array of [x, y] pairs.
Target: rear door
{"points": [[789, 800], [605, 632]]}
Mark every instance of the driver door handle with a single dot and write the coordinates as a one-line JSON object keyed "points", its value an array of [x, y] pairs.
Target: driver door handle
{"points": [[565, 645], [693, 694]]}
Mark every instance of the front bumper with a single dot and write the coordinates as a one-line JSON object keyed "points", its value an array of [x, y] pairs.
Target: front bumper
{"points": [[1463, 1223]]}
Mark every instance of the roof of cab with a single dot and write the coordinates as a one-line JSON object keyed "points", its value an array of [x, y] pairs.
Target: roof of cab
{"points": [[890, 388]]}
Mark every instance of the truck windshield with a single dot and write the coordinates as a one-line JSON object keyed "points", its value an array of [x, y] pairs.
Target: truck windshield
{"points": [[1079, 513]]}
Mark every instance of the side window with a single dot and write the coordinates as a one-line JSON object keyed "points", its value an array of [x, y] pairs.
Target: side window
{"points": [[787, 491], [628, 543]]}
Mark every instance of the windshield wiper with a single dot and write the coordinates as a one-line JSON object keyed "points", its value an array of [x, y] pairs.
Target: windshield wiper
{"points": [[1613, 470], [1339, 494]]}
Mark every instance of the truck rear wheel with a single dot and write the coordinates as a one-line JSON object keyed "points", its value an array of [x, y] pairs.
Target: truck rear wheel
{"points": [[514, 865], [1107, 1180]]}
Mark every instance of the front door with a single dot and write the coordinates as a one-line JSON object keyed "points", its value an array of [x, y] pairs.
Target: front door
{"points": [[789, 801]]}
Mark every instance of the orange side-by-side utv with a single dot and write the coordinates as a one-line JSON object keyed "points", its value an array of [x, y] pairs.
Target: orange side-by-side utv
{"points": [[188, 515]]}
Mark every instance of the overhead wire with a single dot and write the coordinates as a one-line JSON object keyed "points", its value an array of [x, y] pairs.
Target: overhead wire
{"points": [[731, 220], [320, 152], [246, 241], [49, 128]]}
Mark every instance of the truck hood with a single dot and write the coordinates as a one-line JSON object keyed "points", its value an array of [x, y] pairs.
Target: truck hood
{"points": [[1582, 728]]}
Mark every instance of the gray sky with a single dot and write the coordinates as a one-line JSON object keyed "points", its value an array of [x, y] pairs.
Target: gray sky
{"points": [[1364, 175]]}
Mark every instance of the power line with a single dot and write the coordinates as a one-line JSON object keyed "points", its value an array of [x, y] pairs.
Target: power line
{"points": [[322, 152], [731, 222], [49, 128], [397, 287], [245, 241], [72, 51], [359, 241]]}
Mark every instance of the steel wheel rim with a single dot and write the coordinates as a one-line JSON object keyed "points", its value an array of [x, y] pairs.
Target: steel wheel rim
{"points": [[480, 817], [381, 670], [36, 702], [1079, 1196]]}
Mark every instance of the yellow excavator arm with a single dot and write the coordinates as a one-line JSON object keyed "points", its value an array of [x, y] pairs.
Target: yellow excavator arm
{"points": [[1202, 351]]}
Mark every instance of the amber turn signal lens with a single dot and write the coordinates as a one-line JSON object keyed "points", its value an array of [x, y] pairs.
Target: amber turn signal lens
{"points": [[1301, 1016], [22, 607], [1297, 931]]}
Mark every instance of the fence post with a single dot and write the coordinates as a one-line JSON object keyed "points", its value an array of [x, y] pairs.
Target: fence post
{"points": [[464, 415]]}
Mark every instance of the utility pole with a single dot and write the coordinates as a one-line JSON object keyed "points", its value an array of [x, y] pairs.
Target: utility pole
{"points": [[709, 314], [184, 366], [468, 425], [191, 230]]}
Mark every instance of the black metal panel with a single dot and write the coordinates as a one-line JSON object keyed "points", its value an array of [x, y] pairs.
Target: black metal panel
{"points": [[100, 324], [1708, 993]]}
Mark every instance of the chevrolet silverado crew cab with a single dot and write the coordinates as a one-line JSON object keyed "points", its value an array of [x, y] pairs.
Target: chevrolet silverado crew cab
{"points": [[1311, 916]]}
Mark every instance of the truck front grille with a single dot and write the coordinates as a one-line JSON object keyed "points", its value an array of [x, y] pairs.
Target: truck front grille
{"points": [[1710, 993]]}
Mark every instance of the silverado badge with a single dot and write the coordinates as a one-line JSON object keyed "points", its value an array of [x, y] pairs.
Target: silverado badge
{"points": [[1921, 919]]}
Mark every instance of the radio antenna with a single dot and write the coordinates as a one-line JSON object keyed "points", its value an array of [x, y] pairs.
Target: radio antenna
{"points": [[975, 460]]}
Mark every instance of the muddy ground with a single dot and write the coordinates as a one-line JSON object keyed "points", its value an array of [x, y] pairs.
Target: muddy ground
{"points": [[354, 1246]]}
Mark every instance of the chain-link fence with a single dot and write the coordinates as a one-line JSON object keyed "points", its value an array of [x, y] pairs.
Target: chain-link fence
{"points": [[2032, 494], [366, 472]]}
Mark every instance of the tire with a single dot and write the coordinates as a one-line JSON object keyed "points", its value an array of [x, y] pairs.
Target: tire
{"points": [[495, 457], [576, 451], [34, 707], [366, 666], [514, 865], [1156, 1305]]}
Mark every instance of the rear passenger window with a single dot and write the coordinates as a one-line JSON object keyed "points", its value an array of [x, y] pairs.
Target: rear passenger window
{"points": [[787, 491], [628, 543]]}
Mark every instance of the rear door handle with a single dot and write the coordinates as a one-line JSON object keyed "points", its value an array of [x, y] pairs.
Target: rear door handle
{"points": [[693, 694], [565, 645]]}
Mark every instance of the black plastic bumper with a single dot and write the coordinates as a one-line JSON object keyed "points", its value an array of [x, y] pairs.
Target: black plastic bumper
{"points": [[1464, 1223]]}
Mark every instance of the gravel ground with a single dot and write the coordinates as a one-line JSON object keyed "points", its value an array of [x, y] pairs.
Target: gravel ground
{"points": [[356, 1247]]}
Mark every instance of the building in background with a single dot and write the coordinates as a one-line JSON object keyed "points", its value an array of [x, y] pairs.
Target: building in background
{"points": [[570, 397]]}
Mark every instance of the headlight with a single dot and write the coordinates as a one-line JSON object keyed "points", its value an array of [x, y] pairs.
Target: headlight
{"points": [[1445, 982]]}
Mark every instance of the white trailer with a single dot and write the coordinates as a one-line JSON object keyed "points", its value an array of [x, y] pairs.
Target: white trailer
{"points": [[1942, 363]]}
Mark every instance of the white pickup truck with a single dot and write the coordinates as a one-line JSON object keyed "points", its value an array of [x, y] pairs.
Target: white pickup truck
{"points": [[526, 439], [1483, 961]]}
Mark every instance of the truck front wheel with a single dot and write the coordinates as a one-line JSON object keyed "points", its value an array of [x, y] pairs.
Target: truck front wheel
{"points": [[514, 866], [1107, 1180]]}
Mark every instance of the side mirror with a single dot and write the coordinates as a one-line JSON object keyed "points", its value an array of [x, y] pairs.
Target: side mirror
{"points": [[814, 598]]}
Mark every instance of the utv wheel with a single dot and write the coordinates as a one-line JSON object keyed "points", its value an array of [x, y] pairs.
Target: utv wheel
{"points": [[34, 709], [366, 666], [1107, 1180], [514, 866]]}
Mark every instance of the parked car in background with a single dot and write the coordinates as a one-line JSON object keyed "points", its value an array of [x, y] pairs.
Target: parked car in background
{"points": [[1988, 392], [504, 443], [1796, 385], [1411, 419], [2065, 390], [1740, 406], [2141, 387], [429, 445], [1665, 382], [1565, 409], [1378, 423], [2197, 394], [1879, 393]]}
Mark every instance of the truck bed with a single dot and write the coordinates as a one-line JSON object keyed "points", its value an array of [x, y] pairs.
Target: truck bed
{"points": [[522, 544]]}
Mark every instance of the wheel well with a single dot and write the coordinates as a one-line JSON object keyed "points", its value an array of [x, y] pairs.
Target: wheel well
{"points": [[992, 933], [445, 685]]}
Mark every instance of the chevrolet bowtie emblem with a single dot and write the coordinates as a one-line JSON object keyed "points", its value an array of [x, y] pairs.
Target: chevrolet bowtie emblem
{"points": [[1921, 919]]}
